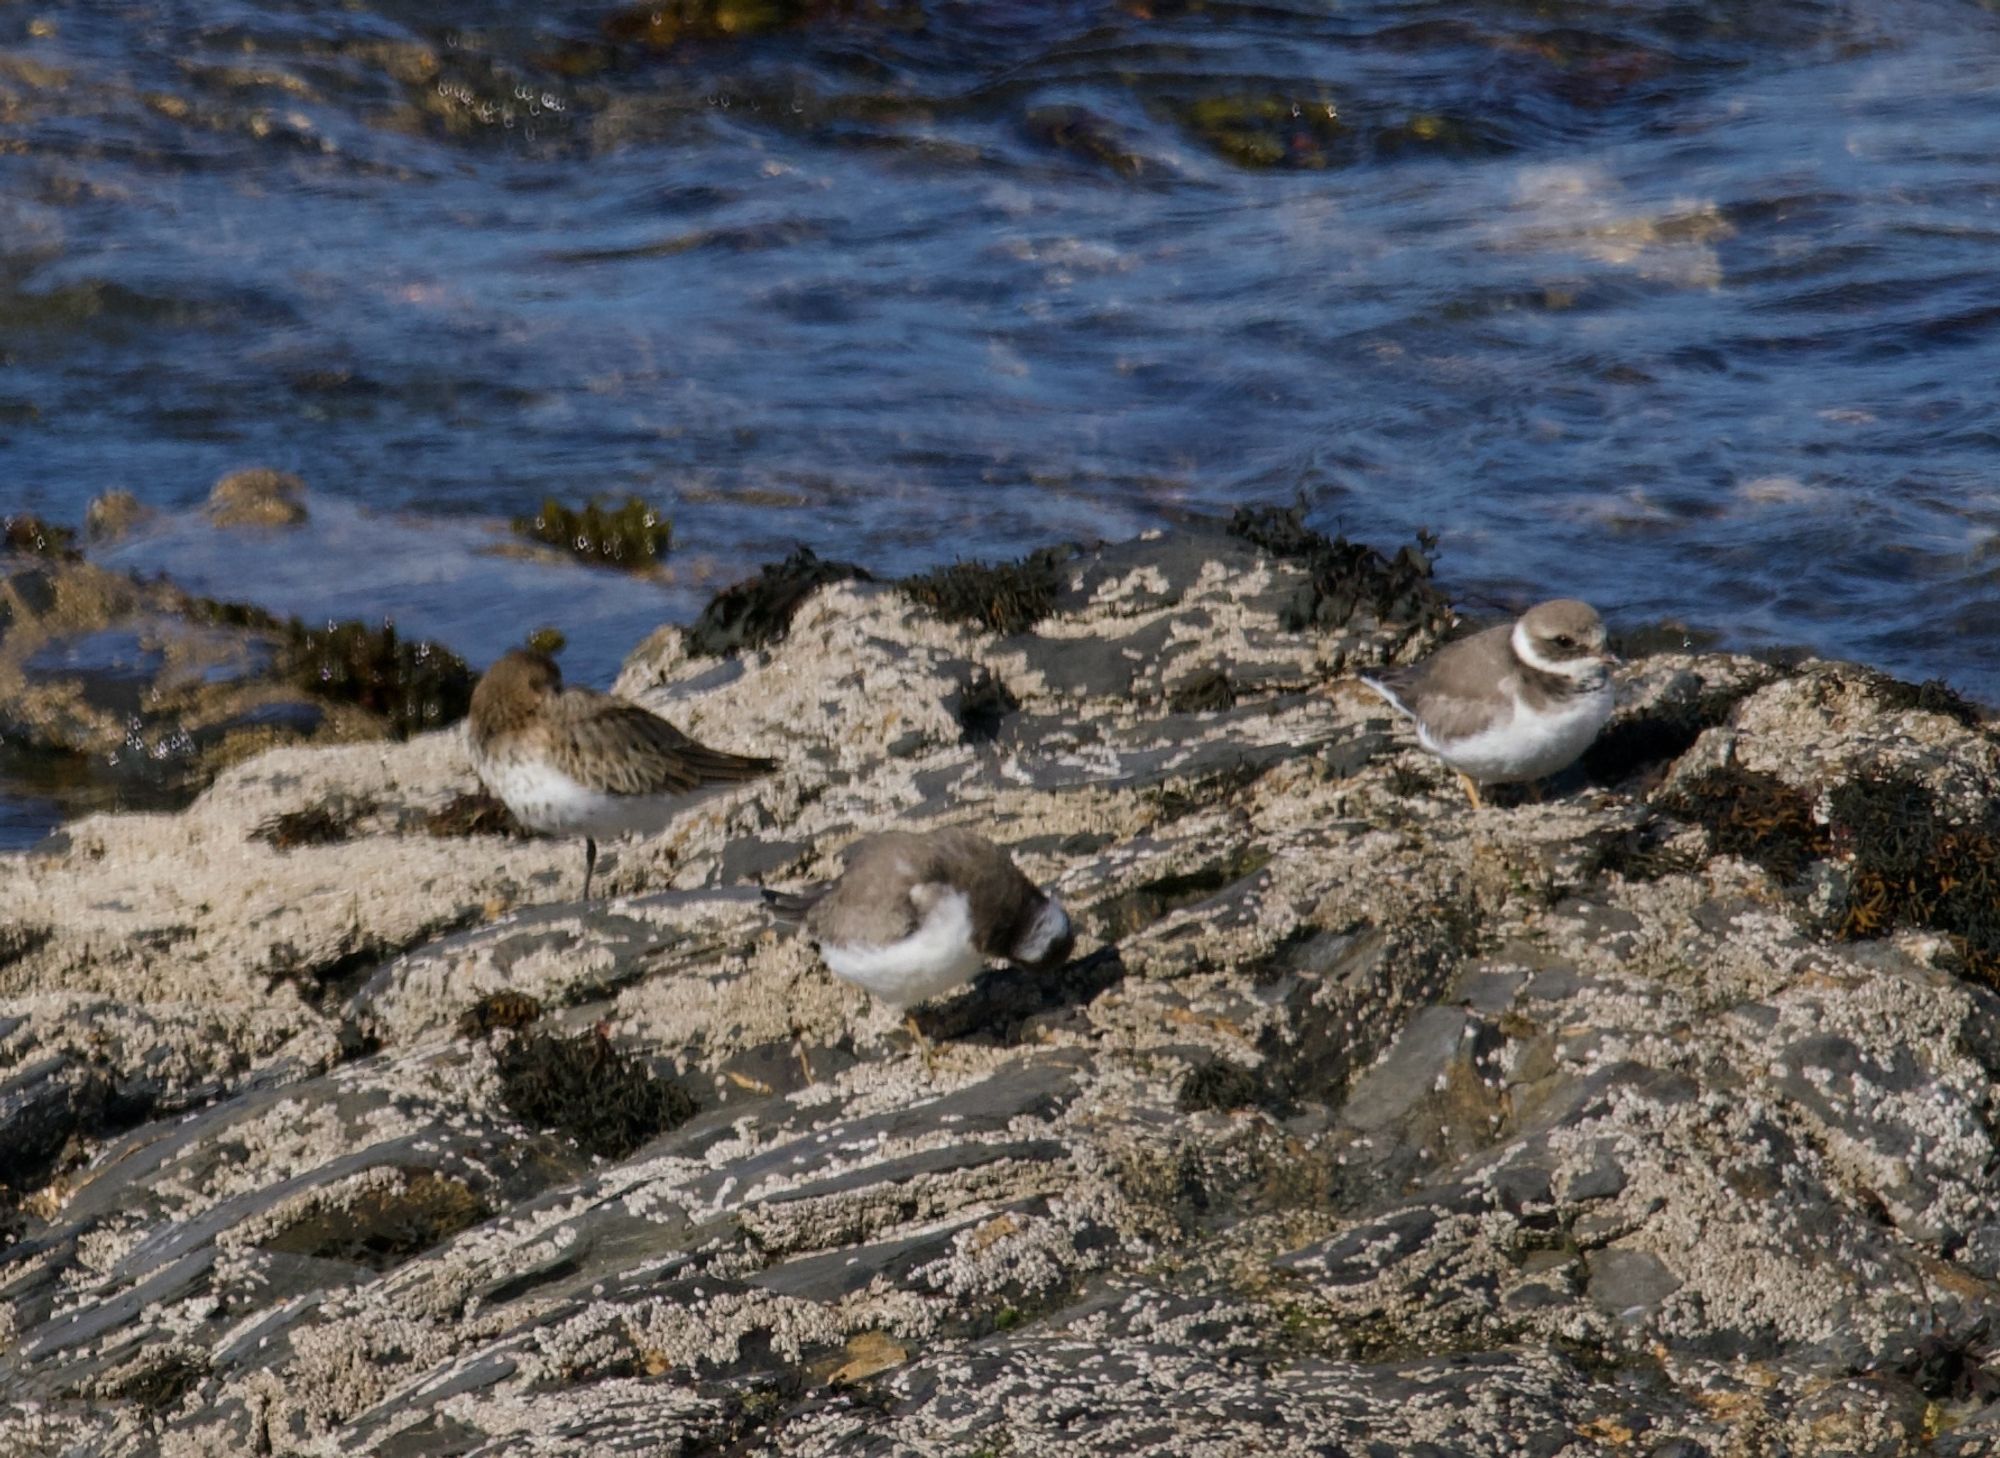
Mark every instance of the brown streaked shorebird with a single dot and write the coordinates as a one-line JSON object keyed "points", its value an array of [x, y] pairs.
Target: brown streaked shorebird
{"points": [[913, 914], [1513, 703], [577, 762]]}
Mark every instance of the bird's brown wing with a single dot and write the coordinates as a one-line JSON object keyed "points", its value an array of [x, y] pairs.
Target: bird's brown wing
{"points": [[793, 907], [1448, 720], [1452, 692], [621, 749]]}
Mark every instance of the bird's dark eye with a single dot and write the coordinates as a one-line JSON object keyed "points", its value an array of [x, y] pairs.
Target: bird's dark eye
{"points": [[1563, 640]]}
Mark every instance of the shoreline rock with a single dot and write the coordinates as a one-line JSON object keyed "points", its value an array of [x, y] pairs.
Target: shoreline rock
{"points": [[1600, 1124]]}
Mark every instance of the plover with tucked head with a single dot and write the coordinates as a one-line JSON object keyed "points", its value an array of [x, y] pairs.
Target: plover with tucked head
{"points": [[915, 914], [577, 762], [1513, 703]]}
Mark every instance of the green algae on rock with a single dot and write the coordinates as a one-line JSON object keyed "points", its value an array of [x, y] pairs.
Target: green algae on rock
{"points": [[632, 536], [1003, 597], [35, 537], [1269, 130], [758, 610]]}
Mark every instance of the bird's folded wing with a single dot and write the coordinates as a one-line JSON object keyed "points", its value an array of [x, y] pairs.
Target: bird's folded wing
{"points": [[790, 907], [622, 749], [1448, 720]]}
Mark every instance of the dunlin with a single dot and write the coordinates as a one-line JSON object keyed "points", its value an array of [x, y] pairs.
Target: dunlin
{"points": [[577, 762], [1513, 703], [913, 915]]}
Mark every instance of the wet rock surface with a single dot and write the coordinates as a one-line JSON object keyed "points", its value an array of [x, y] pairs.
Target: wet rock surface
{"points": [[1362, 1122], [116, 691]]}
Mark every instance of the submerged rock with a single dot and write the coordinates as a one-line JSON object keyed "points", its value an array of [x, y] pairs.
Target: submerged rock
{"points": [[259, 497], [1360, 1122], [112, 514]]}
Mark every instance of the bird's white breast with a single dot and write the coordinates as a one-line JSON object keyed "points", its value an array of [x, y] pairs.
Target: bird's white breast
{"points": [[545, 799], [1526, 744], [934, 958]]}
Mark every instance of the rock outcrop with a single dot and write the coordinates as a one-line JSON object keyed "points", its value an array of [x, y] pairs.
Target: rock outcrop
{"points": [[1655, 1118]]}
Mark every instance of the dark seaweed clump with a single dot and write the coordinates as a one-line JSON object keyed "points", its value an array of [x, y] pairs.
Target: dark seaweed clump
{"points": [[36, 537], [1220, 1086], [158, 1385], [1643, 852], [1932, 696], [608, 1102], [1914, 867], [760, 609], [504, 1009], [414, 684], [1909, 863], [1002, 597], [631, 535], [1346, 576], [1757, 817], [1202, 691], [473, 812], [329, 822]]}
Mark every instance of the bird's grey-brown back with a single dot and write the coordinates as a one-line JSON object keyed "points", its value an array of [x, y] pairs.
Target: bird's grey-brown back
{"points": [[871, 904]]}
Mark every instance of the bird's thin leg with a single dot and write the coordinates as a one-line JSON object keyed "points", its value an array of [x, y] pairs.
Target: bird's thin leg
{"points": [[589, 863], [924, 1045], [1471, 789]]}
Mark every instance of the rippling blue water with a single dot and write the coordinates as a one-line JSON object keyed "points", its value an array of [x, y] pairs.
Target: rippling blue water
{"points": [[1693, 310]]}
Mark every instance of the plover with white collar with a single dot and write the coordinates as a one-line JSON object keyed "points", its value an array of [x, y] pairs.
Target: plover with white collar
{"points": [[1513, 703], [572, 761], [912, 915]]}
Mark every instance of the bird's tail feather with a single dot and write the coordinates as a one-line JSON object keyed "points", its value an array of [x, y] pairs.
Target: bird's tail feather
{"points": [[791, 906], [1385, 685]]}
